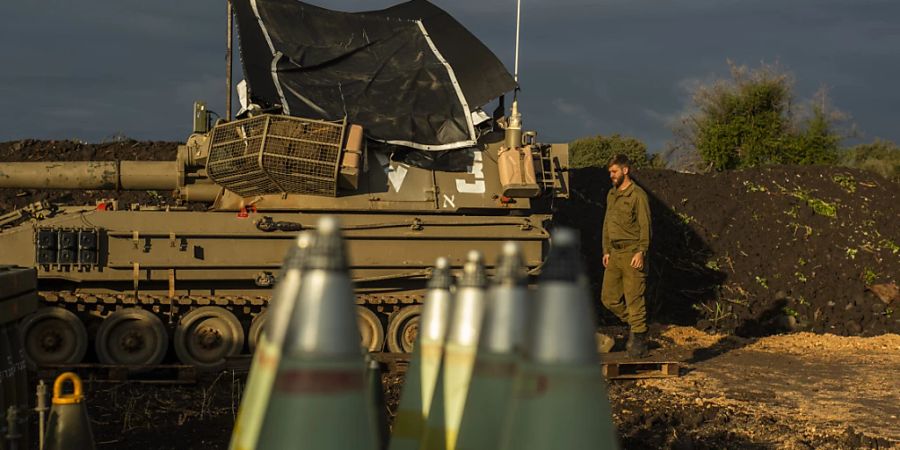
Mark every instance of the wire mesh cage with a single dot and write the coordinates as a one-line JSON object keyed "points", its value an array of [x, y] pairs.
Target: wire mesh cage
{"points": [[273, 154]]}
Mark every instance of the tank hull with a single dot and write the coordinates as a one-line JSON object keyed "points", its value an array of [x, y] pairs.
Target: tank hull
{"points": [[173, 262]]}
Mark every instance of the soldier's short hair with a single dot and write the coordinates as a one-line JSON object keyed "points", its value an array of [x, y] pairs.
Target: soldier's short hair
{"points": [[620, 160]]}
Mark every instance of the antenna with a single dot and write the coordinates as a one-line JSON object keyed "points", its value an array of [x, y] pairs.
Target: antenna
{"points": [[514, 124], [518, 23]]}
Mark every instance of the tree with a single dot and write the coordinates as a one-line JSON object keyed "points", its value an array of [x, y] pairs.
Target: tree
{"points": [[816, 143], [595, 151], [748, 120]]}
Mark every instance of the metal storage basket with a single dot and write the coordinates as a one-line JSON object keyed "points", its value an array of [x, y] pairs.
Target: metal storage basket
{"points": [[274, 154]]}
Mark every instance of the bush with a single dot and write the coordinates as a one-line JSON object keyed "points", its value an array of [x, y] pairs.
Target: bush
{"points": [[595, 151], [881, 157], [748, 121]]}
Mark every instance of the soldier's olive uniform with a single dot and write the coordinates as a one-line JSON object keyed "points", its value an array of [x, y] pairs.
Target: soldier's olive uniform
{"points": [[626, 231]]}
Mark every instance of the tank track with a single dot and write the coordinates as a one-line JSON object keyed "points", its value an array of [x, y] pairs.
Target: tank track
{"points": [[91, 308], [247, 305]]}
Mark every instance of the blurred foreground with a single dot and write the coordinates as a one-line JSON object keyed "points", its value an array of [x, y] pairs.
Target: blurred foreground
{"points": [[799, 391]]}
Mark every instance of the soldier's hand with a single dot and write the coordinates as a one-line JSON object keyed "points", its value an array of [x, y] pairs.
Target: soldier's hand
{"points": [[637, 261], [606, 260]]}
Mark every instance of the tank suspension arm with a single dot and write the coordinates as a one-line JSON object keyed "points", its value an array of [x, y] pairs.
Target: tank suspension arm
{"points": [[118, 175]]}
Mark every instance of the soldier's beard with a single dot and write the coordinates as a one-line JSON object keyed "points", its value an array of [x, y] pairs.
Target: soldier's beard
{"points": [[617, 181]]}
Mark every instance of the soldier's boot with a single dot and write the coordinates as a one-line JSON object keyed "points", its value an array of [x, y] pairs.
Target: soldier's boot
{"points": [[638, 345], [630, 342]]}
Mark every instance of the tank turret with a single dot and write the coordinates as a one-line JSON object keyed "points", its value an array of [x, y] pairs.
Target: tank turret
{"points": [[291, 163]]}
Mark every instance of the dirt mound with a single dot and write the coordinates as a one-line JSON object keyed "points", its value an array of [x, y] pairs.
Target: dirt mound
{"points": [[759, 251], [33, 150]]}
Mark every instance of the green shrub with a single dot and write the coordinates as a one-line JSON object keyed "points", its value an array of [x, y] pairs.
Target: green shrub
{"points": [[881, 157], [595, 151], [748, 120]]}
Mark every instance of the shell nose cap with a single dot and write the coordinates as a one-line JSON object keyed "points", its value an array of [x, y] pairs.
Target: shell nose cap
{"points": [[473, 271], [564, 261], [510, 268], [327, 249], [440, 275], [298, 252]]}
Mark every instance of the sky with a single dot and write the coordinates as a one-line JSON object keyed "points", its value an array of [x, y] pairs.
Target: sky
{"points": [[97, 70]]}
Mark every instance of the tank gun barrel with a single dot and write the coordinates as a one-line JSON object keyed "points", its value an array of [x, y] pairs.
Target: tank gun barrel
{"points": [[112, 175]]}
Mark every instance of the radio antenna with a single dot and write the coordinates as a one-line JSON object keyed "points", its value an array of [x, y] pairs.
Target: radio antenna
{"points": [[514, 123], [518, 23]]}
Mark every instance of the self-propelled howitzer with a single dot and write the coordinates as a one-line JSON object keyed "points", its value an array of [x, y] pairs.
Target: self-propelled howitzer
{"points": [[199, 274]]}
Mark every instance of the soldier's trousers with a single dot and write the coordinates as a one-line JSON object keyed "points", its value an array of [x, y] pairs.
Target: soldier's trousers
{"points": [[623, 289]]}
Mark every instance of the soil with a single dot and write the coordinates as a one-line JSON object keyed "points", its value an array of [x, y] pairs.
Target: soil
{"points": [[759, 251], [795, 391]]}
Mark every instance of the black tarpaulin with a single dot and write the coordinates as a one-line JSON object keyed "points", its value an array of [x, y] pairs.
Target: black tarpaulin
{"points": [[410, 75]]}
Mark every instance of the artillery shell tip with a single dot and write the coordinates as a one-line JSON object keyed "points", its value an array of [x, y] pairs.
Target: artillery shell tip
{"points": [[473, 270], [563, 262], [328, 225], [565, 237], [440, 275], [510, 268], [511, 248], [304, 239]]}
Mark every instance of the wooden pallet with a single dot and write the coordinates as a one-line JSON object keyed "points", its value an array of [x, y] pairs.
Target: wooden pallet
{"points": [[627, 370]]}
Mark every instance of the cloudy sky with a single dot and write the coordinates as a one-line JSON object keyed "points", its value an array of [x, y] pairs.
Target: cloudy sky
{"points": [[97, 69]]}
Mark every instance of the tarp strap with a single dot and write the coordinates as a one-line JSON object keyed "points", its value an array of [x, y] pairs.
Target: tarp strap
{"points": [[276, 56], [285, 108]]}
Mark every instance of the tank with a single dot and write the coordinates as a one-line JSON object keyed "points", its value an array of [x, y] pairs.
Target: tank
{"points": [[407, 162], [197, 276]]}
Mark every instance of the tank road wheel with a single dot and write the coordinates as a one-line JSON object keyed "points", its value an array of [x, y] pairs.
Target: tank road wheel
{"points": [[403, 329], [53, 335], [256, 329], [207, 335], [133, 336], [370, 329]]}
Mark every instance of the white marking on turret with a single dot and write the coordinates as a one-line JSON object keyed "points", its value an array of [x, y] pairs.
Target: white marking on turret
{"points": [[477, 169], [396, 174], [449, 200]]}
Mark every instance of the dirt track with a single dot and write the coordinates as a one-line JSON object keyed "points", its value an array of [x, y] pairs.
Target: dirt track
{"points": [[798, 391]]}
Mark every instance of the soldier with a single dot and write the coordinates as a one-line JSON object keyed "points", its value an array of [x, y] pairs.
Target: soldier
{"points": [[626, 239]]}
